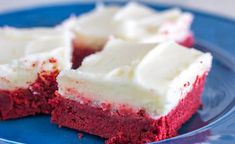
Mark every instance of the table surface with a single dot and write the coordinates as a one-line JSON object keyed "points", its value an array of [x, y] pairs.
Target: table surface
{"points": [[220, 7]]}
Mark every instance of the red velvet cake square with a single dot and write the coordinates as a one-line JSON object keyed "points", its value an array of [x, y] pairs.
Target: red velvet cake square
{"points": [[30, 62], [131, 92], [132, 22]]}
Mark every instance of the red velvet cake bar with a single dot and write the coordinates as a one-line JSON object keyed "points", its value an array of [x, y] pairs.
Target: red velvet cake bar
{"points": [[131, 92], [133, 22], [30, 62]]}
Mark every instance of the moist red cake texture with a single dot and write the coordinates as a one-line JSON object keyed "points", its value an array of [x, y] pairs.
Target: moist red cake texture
{"points": [[80, 51], [188, 41], [126, 126], [30, 101]]}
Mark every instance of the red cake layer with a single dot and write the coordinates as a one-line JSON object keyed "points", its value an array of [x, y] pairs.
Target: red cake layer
{"points": [[128, 126], [30, 101], [188, 41], [80, 50]]}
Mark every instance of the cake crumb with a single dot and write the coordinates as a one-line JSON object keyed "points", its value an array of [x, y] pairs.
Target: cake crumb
{"points": [[80, 135]]}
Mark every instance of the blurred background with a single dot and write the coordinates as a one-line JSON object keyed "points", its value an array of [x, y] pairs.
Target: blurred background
{"points": [[220, 7]]}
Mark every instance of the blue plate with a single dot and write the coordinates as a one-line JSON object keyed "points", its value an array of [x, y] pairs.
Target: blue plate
{"points": [[213, 123]]}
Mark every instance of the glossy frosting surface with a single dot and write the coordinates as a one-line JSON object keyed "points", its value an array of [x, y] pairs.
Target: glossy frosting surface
{"points": [[150, 76]]}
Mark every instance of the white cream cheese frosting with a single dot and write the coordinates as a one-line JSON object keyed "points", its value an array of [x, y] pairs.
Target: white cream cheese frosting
{"points": [[133, 22], [26, 52], [142, 76]]}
